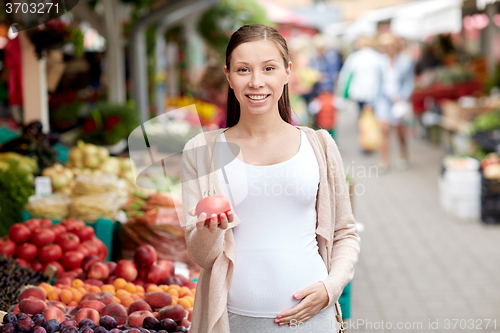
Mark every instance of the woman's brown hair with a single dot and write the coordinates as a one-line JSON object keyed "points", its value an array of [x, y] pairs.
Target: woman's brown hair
{"points": [[251, 33]]}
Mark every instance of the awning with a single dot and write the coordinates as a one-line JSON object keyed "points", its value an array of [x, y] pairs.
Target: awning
{"points": [[423, 19], [279, 13]]}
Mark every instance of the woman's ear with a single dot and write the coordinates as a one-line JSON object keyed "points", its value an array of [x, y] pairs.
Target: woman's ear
{"points": [[288, 71], [227, 76]]}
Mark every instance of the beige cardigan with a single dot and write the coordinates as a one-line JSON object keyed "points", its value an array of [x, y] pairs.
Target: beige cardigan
{"points": [[336, 229]]}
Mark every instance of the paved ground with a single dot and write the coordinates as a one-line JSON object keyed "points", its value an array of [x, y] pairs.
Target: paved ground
{"points": [[418, 265]]}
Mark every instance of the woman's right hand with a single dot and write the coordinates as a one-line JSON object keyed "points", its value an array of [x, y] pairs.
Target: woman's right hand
{"points": [[221, 222]]}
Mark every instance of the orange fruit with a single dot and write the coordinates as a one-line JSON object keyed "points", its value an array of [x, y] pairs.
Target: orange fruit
{"points": [[140, 289], [153, 288], [174, 300], [66, 296], [126, 301], [175, 286], [82, 290], [47, 288], [109, 288], [77, 295], [130, 287], [141, 295], [117, 300], [120, 283], [77, 283], [173, 292], [164, 288], [135, 297], [190, 299], [87, 286], [185, 291], [53, 296], [94, 289], [121, 293], [73, 304], [186, 304]]}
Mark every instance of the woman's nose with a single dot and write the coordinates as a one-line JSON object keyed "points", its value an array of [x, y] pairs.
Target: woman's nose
{"points": [[256, 81]]}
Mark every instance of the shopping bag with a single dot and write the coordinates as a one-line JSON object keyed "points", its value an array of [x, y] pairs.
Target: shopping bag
{"points": [[370, 135], [401, 109]]}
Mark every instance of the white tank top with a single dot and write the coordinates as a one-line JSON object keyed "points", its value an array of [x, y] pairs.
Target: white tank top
{"points": [[276, 252]]}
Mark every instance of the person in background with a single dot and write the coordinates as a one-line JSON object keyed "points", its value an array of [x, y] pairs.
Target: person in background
{"points": [[214, 88], [360, 75], [328, 62], [392, 101]]}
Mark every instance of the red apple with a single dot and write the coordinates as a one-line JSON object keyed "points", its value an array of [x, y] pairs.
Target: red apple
{"points": [[111, 266], [168, 265], [88, 261], [98, 270], [126, 269], [145, 256], [157, 274]]}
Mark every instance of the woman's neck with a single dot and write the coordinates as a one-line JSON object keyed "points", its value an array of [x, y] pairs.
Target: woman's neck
{"points": [[260, 126]]}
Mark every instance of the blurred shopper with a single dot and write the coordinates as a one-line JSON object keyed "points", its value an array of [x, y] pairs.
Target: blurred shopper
{"points": [[214, 88], [302, 81], [328, 62], [360, 75], [392, 101]]}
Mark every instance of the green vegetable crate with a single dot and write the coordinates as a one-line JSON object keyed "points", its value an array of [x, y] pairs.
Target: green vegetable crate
{"points": [[345, 302], [105, 229]]}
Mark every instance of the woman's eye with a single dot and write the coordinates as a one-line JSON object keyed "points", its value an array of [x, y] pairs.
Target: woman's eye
{"points": [[269, 68], [242, 69]]}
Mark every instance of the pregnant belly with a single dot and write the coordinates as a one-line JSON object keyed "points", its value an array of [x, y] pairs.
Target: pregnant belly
{"points": [[263, 283]]}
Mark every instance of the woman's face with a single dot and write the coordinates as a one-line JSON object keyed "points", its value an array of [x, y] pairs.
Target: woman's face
{"points": [[257, 76]]}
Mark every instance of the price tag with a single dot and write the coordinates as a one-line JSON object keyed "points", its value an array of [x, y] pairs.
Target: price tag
{"points": [[43, 186]]}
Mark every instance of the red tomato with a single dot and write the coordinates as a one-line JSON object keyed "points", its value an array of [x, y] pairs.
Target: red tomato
{"points": [[59, 268], [32, 224], [72, 260], [68, 241], [214, 204], [27, 251], [50, 253], [82, 248], [84, 233], [43, 236], [71, 223], [90, 247], [58, 229], [23, 263], [102, 249], [19, 233], [46, 223], [8, 248], [36, 265]]}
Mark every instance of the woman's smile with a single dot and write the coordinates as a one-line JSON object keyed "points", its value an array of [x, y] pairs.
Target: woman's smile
{"points": [[258, 99]]}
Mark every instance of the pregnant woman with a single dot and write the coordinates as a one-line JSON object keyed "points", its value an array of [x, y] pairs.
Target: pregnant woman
{"points": [[288, 246]]}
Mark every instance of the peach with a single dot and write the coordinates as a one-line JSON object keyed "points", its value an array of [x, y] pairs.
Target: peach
{"points": [[53, 312], [184, 322], [102, 296], [65, 281], [66, 296], [139, 305], [94, 282], [35, 292], [175, 312], [158, 299], [127, 270], [96, 305], [88, 261], [117, 311], [157, 274], [136, 319], [32, 306], [168, 265], [57, 304], [110, 280], [111, 266], [98, 271], [87, 313]]}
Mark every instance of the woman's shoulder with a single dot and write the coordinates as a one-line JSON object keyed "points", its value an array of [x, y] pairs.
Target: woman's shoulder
{"points": [[203, 137]]}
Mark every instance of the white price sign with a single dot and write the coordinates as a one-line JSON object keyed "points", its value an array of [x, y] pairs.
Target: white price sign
{"points": [[43, 186]]}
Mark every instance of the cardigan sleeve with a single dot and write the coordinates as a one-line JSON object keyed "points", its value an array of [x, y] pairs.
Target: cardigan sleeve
{"points": [[346, 242], [202, 245]]}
